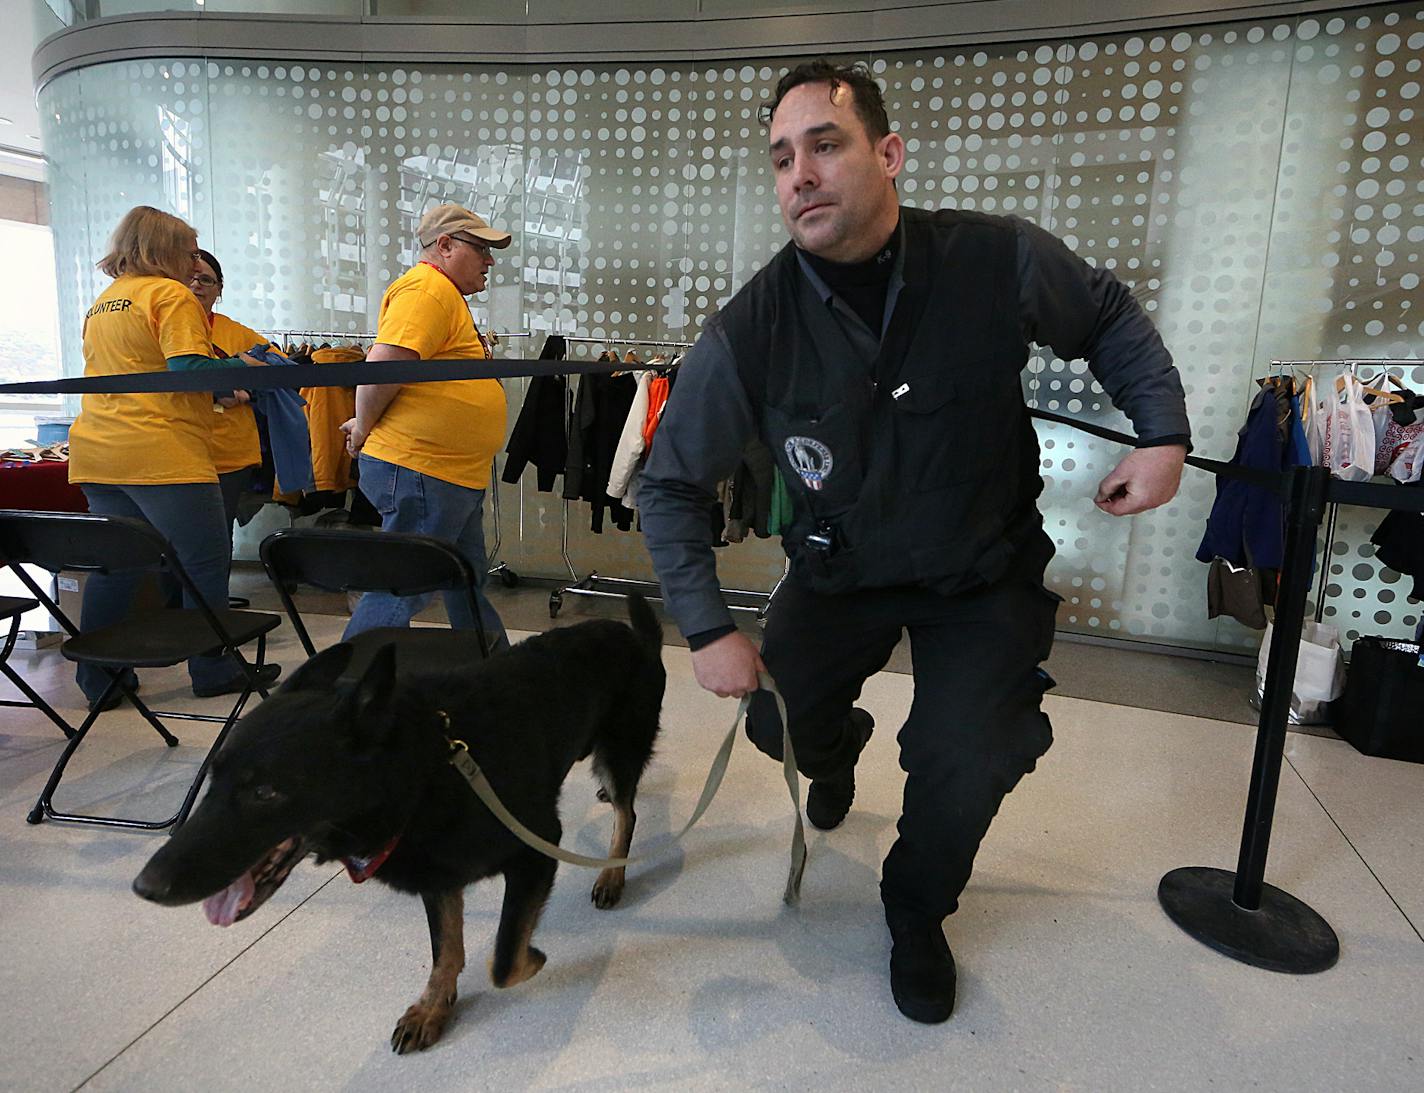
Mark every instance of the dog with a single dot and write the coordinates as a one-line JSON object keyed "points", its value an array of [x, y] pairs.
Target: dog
{"points": [[350, 760]]}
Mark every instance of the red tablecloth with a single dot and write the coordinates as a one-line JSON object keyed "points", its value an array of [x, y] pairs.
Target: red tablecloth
{"points": [[41, 486]]}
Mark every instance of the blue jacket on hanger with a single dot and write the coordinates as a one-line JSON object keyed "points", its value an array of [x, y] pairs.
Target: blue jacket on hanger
{"points": [[1247, 525], [286, 428]]}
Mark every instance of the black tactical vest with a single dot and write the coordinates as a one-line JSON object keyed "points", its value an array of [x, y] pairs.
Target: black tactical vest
{"points": [[921, 468]]}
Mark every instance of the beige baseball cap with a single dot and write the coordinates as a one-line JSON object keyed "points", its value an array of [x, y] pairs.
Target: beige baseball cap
{"points": [[458, 220]]}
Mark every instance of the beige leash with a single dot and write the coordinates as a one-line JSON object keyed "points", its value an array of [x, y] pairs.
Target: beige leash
{"points": [[462, 761]]}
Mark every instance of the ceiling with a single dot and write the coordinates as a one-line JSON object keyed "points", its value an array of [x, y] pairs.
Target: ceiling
{"points": [[19, 119]]}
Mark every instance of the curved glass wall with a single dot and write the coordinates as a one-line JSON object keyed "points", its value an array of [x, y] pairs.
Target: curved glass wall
{"points": [[1259, 185]]}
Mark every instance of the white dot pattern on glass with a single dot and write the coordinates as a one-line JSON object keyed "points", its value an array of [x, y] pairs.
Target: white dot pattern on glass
{"points": [[1258, 185]]}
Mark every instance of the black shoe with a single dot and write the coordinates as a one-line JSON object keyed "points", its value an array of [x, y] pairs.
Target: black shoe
{"points": [[115, 697], [829, 799], [922, 977], [266, 676]]}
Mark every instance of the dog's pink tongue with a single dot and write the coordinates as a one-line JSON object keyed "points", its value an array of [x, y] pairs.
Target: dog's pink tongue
{"points": [[222, 909]]}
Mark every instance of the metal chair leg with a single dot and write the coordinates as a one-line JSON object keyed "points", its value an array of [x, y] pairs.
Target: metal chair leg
{"points": [[181, 816], [35, 699], [43, 806]]}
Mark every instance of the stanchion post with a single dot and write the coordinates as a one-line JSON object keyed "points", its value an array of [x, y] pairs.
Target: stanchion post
{"points": [[1239, 914], [1305, 507]]}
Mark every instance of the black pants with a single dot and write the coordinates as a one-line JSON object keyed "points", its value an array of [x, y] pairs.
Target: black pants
{"points": [[975, 726]]}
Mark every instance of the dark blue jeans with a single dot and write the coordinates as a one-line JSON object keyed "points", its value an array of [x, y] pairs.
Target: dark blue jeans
{"points": [[190, 516], [419, 504]]}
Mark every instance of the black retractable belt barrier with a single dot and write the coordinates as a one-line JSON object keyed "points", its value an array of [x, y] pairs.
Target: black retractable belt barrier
{"points": [[296, 375], [1239, 914], [1235, 913]]}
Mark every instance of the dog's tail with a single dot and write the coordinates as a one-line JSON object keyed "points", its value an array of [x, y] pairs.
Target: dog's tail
{"points": [[645, 623]]}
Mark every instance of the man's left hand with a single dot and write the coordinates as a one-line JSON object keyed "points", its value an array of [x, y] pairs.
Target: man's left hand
{"points": [[1148, 477], [355, 437]]}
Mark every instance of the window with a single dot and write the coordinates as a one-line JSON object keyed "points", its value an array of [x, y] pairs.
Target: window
{"points": [[29, 327]]}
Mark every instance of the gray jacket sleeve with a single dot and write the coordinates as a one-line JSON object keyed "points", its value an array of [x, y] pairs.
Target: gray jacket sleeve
{"points": [[1079, 311], [698, 444]]}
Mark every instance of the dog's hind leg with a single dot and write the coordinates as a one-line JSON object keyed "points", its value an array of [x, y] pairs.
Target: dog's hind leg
{"points": [[527, 882], [423, 1023]]}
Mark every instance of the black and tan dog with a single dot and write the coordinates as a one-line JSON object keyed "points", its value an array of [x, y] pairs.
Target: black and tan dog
{"points": [[351, 762]]}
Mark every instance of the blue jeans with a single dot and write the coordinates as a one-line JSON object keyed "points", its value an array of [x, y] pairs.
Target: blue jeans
{"points": [[190, 516], [419, 504], [231, 485]]}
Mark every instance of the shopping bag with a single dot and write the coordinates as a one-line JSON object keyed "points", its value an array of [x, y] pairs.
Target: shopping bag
{"points": [[1404, 451], [1319, 673], [1349, 447], [1380, 710]]}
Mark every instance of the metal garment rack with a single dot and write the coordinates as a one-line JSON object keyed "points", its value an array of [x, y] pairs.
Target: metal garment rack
{"points": [[594, 584], [1333, 507], [347, 334], [501, 570], [507, 576]]}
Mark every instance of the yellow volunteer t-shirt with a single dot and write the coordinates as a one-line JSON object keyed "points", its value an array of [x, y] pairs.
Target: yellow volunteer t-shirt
{"points": [[235, 443], [449, 430], [135, 325]]}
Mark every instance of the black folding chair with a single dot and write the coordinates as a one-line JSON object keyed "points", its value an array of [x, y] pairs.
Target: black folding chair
{"points": [[348, 560], [11, 608], [156, 639]]}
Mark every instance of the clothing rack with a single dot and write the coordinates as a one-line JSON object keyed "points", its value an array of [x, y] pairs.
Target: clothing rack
{"points": [[366, 335], [1332, 513], [501, 569], [347, 334], [572, 340], [1378, 362], [507, 576], [594, 584]]}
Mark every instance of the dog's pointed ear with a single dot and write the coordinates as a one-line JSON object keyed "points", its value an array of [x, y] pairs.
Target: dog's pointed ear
{"points": [[321, 671], [371, 694]]}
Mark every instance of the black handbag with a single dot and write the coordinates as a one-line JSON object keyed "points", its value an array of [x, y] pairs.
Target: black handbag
{"points": [[1382, 709]]}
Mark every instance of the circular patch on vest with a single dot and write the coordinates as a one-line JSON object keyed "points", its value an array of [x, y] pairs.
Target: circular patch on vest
{"points": [[810, 459]]}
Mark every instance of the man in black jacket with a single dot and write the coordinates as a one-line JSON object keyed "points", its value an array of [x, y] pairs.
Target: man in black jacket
{"points": [[878, 356]]}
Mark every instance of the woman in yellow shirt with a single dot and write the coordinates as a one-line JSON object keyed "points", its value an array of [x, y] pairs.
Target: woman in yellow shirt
{"points": [[148, 456], [236, 448]]}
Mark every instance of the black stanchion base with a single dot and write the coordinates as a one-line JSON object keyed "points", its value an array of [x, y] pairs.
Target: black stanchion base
{"points": [[1284, 935]]}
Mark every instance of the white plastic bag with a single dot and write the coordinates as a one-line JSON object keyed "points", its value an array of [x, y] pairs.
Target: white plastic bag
{"points": [[1405, 451], [1349, 448], [1408, 465], [1319, 673]]}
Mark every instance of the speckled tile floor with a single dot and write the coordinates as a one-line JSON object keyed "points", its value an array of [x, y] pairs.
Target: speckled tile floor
{"points": [[1071, 976]]}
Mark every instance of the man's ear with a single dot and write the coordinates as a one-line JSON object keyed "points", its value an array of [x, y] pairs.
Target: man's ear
{"points": [[890, 150], [321, 671]]}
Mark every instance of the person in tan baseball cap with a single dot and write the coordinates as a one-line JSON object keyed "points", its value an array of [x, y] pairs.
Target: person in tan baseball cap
{"points": [[457, 221], [424, 449]]}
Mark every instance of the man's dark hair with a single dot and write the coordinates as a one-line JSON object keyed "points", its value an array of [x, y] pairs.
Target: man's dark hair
{"points": [[869, 104]]}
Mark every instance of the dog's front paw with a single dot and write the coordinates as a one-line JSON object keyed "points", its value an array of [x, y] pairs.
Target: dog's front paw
{"points": [[608, 889], [420, 1027]]}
